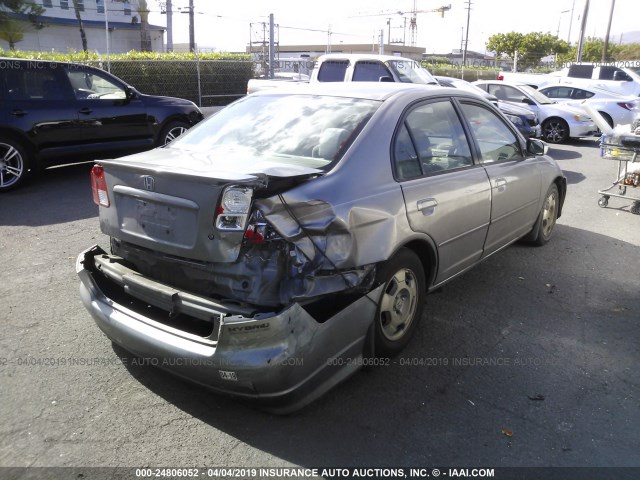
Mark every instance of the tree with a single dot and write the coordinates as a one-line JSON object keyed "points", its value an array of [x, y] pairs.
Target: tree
{"points": [[16, 16], [12, 31], [83, 36], [531, 47], [592, 51], [145, 36]]}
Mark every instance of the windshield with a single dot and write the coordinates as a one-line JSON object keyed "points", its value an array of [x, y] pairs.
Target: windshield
{"points": [[303, 130], [536, 95], [409, 71]]}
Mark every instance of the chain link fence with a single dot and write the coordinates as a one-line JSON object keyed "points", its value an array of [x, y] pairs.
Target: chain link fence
{"points": [[210, 83], [207, 83]]}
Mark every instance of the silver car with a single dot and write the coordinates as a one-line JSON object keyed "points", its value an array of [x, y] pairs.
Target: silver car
{"points": [[290, 239]]}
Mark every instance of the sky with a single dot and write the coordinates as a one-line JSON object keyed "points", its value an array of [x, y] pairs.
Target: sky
{"points": [[226, 26]]}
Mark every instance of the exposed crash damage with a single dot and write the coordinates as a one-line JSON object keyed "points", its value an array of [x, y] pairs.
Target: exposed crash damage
{"points": [[270, 251]]}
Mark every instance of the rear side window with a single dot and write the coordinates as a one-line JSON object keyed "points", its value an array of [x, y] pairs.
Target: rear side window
{"points": [[431, 140], [580, 94], [42, 82], [370, 72], [496, 142], [332, 70], [581, 71]]}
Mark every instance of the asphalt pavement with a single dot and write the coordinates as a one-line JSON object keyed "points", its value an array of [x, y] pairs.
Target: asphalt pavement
{"points": [[530, 359]]}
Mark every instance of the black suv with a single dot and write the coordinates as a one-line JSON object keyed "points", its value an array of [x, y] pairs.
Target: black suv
{"points": [[53, 113]]}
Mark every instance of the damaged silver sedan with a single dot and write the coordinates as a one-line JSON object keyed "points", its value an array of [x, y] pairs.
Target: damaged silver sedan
{"points": [[277, 247]]}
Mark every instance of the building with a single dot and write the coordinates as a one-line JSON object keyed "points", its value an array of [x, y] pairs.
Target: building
{"points": [[314, 51], [61, 31]]}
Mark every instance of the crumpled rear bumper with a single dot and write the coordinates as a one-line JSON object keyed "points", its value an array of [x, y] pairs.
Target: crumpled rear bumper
{"points": [[282, 359]]}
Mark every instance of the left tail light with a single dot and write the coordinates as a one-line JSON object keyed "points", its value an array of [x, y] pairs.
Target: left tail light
{"points": [[99, 186]]}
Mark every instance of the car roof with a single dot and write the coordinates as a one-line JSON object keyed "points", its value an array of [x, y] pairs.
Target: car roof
{"points": [[366, 90]]}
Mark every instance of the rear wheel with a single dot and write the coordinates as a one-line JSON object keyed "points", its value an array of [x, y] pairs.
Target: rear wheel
{"points": [[14, 164], [172, 131], [401, 302], [555, 130]]}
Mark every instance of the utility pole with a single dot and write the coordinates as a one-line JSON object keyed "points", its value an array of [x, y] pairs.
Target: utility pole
{"points": [[606, 38], [583, 25], [192, 32], [106, 29], [466, 40], [169, 11], [573, 5], [272, 50]]}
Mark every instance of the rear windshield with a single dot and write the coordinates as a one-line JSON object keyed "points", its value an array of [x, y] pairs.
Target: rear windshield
{"points": [[304, 130]]}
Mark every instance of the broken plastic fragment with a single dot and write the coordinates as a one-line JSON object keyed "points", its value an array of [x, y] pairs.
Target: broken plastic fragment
{"points": [[507, 432]]}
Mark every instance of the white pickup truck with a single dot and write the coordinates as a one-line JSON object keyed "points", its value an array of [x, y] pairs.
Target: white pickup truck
{"points": [[622, 80], [353, 67]]}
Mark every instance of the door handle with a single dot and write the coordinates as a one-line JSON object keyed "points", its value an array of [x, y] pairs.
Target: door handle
{"points": [[427, 206], [501, 184], [19, 113], [85, 111]]}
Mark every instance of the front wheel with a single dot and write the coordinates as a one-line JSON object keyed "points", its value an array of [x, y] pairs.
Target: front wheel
{"points": [[555, 130], [172, 131], [401, 302], [14, 164], [546, 222]]}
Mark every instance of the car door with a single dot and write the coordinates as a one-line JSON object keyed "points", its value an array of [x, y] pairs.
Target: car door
{"points": [[515, 181], [38, 101], [111, 119], [446, 195]]}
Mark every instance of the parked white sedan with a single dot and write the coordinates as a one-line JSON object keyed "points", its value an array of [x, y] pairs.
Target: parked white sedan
{"points": [[559, 122], [616, 109]]}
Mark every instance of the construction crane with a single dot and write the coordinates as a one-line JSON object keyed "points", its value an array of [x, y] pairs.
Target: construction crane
{"points": [[413, 23], [413, 20]]}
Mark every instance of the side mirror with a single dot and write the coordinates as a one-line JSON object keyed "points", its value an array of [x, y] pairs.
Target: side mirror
{"points": [[130, 92], [527, 101], [385, 78], [537, 147]]}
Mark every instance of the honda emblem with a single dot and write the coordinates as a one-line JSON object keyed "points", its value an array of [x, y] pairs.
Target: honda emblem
{"points": [[149, 183]]}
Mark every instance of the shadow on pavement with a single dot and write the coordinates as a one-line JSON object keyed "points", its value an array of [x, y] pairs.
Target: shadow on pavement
{"points": [[573, 177], [533, 342], [57, 195]]}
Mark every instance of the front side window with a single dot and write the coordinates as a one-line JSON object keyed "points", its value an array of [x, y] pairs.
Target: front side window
{"points": [[506, 93], [495, 140], [411, 72], [557, 92], [431, 140], [88, 85]]}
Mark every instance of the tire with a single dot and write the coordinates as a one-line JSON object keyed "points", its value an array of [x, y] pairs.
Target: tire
{"points": [[555, 130], [14, 164], [543, 228], [401, 302], [172, 131]]}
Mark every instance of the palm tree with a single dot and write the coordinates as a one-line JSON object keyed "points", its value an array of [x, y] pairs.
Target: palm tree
{"points": [[145, 36], [12, 31], [76, 6]]}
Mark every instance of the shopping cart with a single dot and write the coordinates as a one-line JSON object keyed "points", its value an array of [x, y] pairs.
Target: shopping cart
{"points": [[624, 149]]}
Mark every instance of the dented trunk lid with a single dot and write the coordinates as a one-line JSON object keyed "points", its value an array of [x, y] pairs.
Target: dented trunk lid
{"points": [[167, 199]]}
